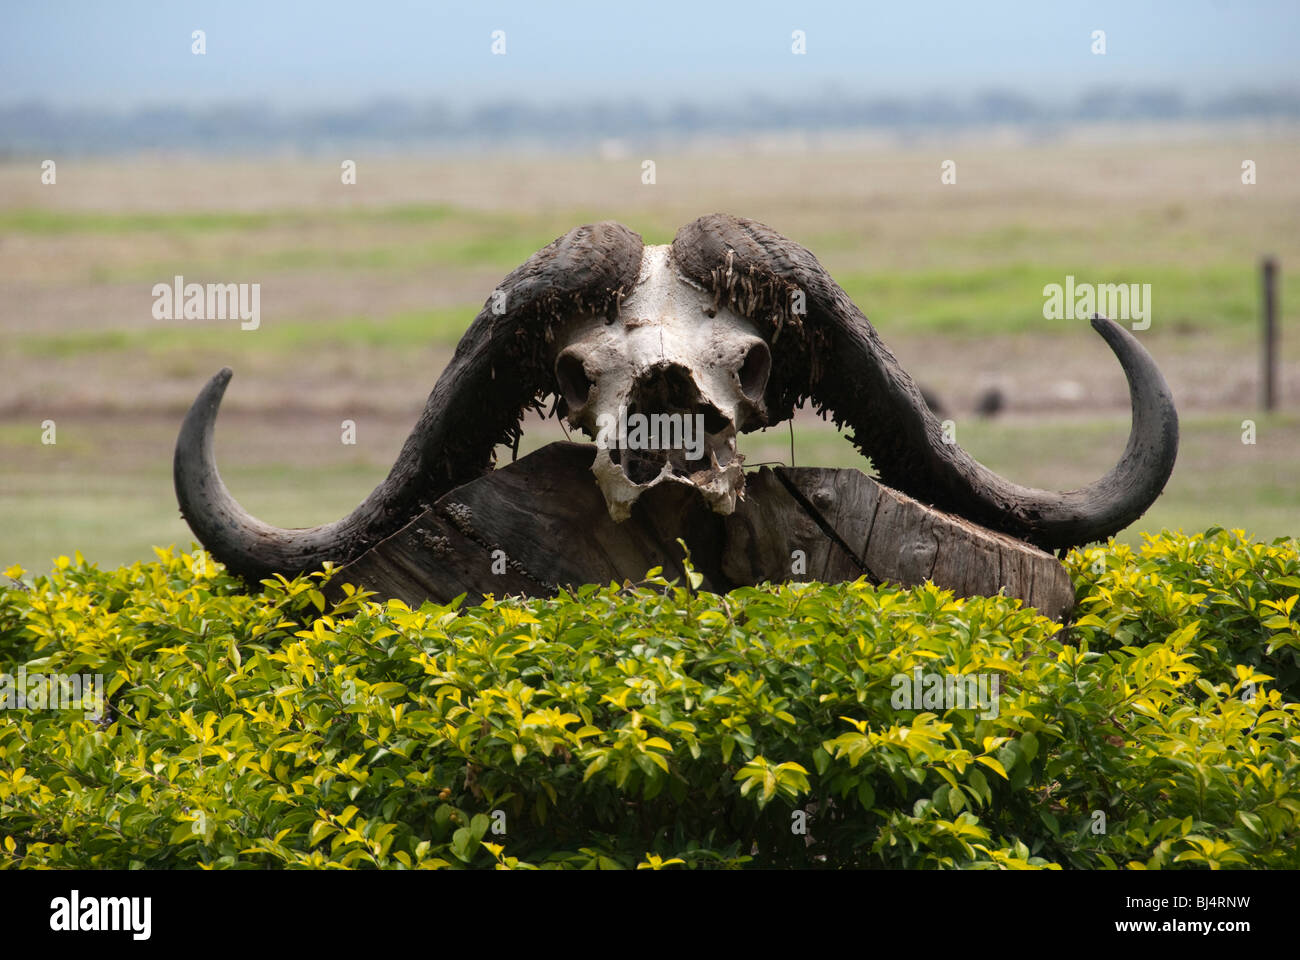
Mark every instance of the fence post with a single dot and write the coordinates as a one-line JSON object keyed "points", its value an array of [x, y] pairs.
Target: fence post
{"points": [[1269, 381]]}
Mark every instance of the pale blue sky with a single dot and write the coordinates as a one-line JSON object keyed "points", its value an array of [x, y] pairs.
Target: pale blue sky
{"points": [[328, 53]]}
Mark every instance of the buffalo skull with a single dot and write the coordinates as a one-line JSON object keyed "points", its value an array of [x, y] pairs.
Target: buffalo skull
{"points": [[664, 388], [662, 354]]}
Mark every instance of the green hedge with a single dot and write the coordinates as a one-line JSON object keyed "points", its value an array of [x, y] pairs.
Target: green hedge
{"points": [[656, 726]]}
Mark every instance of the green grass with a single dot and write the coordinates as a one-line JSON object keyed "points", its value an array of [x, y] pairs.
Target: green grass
{"points": [[413, 328], [115, 508], [37, 220], [415, 237], [117, 516], [1008, 298], [995, 300], [499, 247], [1217, 480], [983, 282]]}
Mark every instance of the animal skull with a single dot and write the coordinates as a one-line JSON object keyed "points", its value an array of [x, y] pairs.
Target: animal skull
{"points": [[615, 329], [664, 388]]}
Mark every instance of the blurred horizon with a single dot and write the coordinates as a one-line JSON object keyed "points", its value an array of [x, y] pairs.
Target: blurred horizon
{"points": [[110, 79], [33, 127]]}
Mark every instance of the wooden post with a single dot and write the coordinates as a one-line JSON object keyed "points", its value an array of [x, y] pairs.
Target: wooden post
{"points": [[541, 522], [1269, 380]]}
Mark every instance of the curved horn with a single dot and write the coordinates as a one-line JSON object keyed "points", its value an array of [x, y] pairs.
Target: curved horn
{"points": [[759, 273], [470, 410]]}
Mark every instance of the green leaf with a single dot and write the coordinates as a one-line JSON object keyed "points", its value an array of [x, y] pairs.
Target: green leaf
{"points": [[821, 760], [463, 845], [1029, 746]]}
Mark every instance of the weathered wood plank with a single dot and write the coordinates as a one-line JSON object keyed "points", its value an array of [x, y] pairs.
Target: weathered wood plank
{"points": [[901, 540], [769, 525], [429, 559], [541, 522], [546, 517]]}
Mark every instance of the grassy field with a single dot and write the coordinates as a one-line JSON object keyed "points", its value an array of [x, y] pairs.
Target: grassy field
{"points": [[291, 470], [367, 288]]}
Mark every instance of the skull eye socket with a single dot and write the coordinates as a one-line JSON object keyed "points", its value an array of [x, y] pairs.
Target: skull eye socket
{"points": [[754, 371], [575, 385]]}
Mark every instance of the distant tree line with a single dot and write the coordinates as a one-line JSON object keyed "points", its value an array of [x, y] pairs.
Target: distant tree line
{"points": [[35, 127]]}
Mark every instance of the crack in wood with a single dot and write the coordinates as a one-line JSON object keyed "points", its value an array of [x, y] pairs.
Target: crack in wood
{"points": [[825, 525]]}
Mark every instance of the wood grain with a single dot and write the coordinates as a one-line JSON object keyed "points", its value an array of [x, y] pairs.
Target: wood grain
{"points": [[540, 523]]}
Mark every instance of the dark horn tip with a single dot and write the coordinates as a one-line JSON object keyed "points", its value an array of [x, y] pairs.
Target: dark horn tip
{"points": [[216, 387], [203, 411], [1112, 332]]}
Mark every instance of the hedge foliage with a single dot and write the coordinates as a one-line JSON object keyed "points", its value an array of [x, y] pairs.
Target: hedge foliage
{"points": [[654, 726]]}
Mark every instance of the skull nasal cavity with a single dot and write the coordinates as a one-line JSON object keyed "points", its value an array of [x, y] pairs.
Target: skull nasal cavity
{"points": [[573, 380], [666, 388]]}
